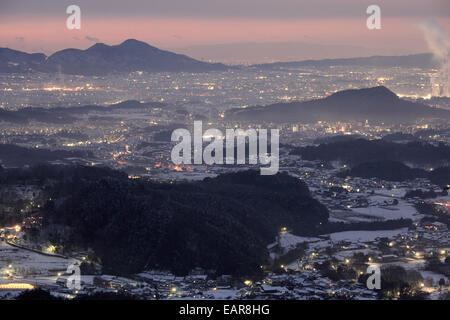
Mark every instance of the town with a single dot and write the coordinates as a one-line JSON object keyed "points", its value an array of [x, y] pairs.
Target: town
{"points": [[391, 224]]}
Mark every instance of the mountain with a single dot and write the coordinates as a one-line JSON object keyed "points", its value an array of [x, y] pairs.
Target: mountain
{"points": [[268, 52], [134, 55], [130, 55], [13, 61], [377, 104], [222, 223], [100, 59], [421, 60]]}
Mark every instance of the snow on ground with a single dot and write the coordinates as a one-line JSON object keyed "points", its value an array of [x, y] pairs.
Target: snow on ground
{"points": [[435, 276], [289, 241], [349, 217], [157, 276], [221, 294], [341, 255], [399, 192], [410, 264], [419, 265], [23, 264], [365, 236], [376, 212], [442, 199], [333, 219], [184, 175], [402, 210]]}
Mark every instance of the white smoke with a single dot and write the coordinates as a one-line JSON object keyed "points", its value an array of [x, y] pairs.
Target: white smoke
{"points": [[438, 41]]}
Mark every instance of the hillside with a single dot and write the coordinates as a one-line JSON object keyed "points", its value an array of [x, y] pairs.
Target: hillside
{"points": [[377, 104], [13, 61], [101, 59], [422, 60], [224, 223]]}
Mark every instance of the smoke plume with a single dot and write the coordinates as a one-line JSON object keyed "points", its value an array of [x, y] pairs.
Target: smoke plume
{"points": [[438, 41]]}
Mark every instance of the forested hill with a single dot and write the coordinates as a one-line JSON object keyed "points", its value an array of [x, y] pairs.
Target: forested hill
{"points": [[358, 151], [224, 223]]}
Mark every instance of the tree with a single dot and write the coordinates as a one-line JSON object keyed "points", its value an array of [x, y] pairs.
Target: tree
{"points": [[36, 294]]}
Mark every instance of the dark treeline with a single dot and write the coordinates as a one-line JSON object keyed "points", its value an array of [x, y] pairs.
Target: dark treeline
{"points": [[385, 170], [41, 294], [397, 171], [16, 156], [331, 227], [360, 150], [433, 212], [418, 193]]}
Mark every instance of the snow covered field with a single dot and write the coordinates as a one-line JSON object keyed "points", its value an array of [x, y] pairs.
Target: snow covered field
{"points": [[27, 266], [365, 236]]}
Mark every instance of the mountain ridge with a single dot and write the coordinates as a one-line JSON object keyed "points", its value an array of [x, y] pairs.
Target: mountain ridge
{"points": [[130, 55], [422, 60], [15, 61], [376, 104], [21, 61], [100, 59]]}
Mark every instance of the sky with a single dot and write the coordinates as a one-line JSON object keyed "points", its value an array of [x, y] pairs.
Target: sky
{"points": [[263, 30]]}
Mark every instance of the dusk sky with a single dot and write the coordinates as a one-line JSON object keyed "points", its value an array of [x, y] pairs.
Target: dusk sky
{"points": [[317, 29]]}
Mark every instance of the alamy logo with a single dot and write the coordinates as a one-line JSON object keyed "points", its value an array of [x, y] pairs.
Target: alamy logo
{"points": [[374, 20], [74, 278], [374, 280], [74, 20], [214, 151]]}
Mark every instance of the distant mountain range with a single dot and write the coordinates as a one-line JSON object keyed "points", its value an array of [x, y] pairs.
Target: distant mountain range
{"points": [[377, 104], [133, 55], [421, 60], [100, 59], [280, 51]]}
